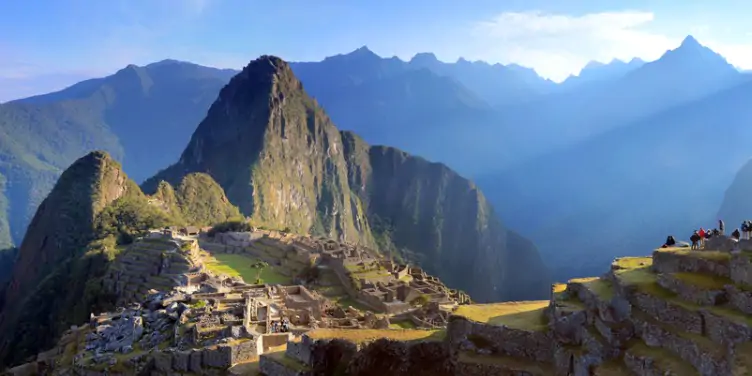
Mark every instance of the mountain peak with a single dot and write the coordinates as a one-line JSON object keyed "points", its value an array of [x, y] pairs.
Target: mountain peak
{"points": [[690, 42], [424, 57]]}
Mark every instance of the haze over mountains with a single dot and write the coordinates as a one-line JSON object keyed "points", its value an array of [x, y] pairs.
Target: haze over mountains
{"points": [[606, 163]]}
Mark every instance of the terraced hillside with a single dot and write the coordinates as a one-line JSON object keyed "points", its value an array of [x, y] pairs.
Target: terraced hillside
{"points": [[679, 312]]}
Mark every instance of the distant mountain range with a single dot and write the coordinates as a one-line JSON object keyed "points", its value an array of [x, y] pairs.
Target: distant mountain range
{"points": [[563, 163]]}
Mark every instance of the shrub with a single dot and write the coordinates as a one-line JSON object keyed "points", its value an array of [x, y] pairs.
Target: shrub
{"points": [[230, 226]]}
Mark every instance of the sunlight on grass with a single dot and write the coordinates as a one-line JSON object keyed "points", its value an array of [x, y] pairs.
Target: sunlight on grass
{"points": [[240, 265], [519, 315], [705, 281], [598, 286], [367, 335], [632, 262]]}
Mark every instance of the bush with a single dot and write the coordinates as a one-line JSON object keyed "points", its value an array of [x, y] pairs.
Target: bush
{"points": [[230, 226]]}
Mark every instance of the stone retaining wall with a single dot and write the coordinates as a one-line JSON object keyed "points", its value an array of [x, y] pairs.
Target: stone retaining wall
{"points": [[533, 345], [691, 292], [709, 360], [670, 313], [670, 262], [741, 269], [740, 299]]}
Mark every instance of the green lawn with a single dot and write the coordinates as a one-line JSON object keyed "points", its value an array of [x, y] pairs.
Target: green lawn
{"points": [[240, 265]]}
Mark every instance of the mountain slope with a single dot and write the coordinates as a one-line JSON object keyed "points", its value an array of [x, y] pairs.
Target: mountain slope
{"points": [[141, 115], [281, 160], [46, 290], [682, 75], [625, 190], [427, 207], [737, 205]]}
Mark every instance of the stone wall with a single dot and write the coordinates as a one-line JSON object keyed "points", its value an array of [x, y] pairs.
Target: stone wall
{"points": [[709, 360], [741, 269], [671, 262], [533, 345], [691, 292]]}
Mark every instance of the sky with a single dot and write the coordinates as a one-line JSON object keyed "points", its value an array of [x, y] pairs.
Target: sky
{"points": [[46, 45]]}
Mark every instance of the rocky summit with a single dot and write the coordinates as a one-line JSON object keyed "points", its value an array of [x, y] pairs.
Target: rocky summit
{"points": [[280, 159]]}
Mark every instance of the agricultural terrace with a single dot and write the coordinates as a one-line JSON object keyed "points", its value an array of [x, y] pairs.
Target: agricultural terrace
{"points": [[526, 315]]}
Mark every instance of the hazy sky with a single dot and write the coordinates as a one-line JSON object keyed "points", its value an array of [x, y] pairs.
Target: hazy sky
{"points": [[48, 44]]}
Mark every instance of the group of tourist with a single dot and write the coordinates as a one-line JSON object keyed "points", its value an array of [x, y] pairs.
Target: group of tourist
{"points": [[282, 326], [699, 236]]}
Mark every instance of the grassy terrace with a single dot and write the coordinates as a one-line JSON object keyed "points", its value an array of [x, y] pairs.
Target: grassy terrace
{"points": [[645, 281], [290, 363], [600, 287], [664, 360], [705, 281], [632, 262], [564, 302], [240, 265], [507, 362], [518, 315], [367, 335], [706, 254]]}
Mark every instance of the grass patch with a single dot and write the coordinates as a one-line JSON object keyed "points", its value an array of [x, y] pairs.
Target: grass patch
{"points": [[645, 281], [518, 315], [708, 255], [402, 324], [705, 281], [347, 301], [290, 363], [598, 286], [240, 265], [368, 335], [507, 362], [632, 262], [664, 360]]}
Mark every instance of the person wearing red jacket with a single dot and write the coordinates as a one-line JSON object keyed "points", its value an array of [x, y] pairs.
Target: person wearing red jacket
{"points": [[702, 237]]}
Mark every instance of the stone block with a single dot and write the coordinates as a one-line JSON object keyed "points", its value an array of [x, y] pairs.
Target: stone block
{"points": [[741, 269], [739, 299], [668, 312]]}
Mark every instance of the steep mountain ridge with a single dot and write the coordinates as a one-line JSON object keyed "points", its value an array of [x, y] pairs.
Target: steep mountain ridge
{"points": [[427, 211], [285, 165], [736, 205], [94, 212], [55, 241]]}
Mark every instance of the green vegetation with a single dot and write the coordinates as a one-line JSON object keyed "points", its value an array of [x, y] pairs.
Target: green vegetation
{"points": [[518, 315], [240, 265], [705, 281], [199, 304], [402, 324], [230, 226], [664, 360], [598, 286]]}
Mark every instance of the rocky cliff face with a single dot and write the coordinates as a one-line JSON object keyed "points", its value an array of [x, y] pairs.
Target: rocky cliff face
{"points": [[736, 204], [46, 281], [276, 154], [430, 210], [280, 159]]}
